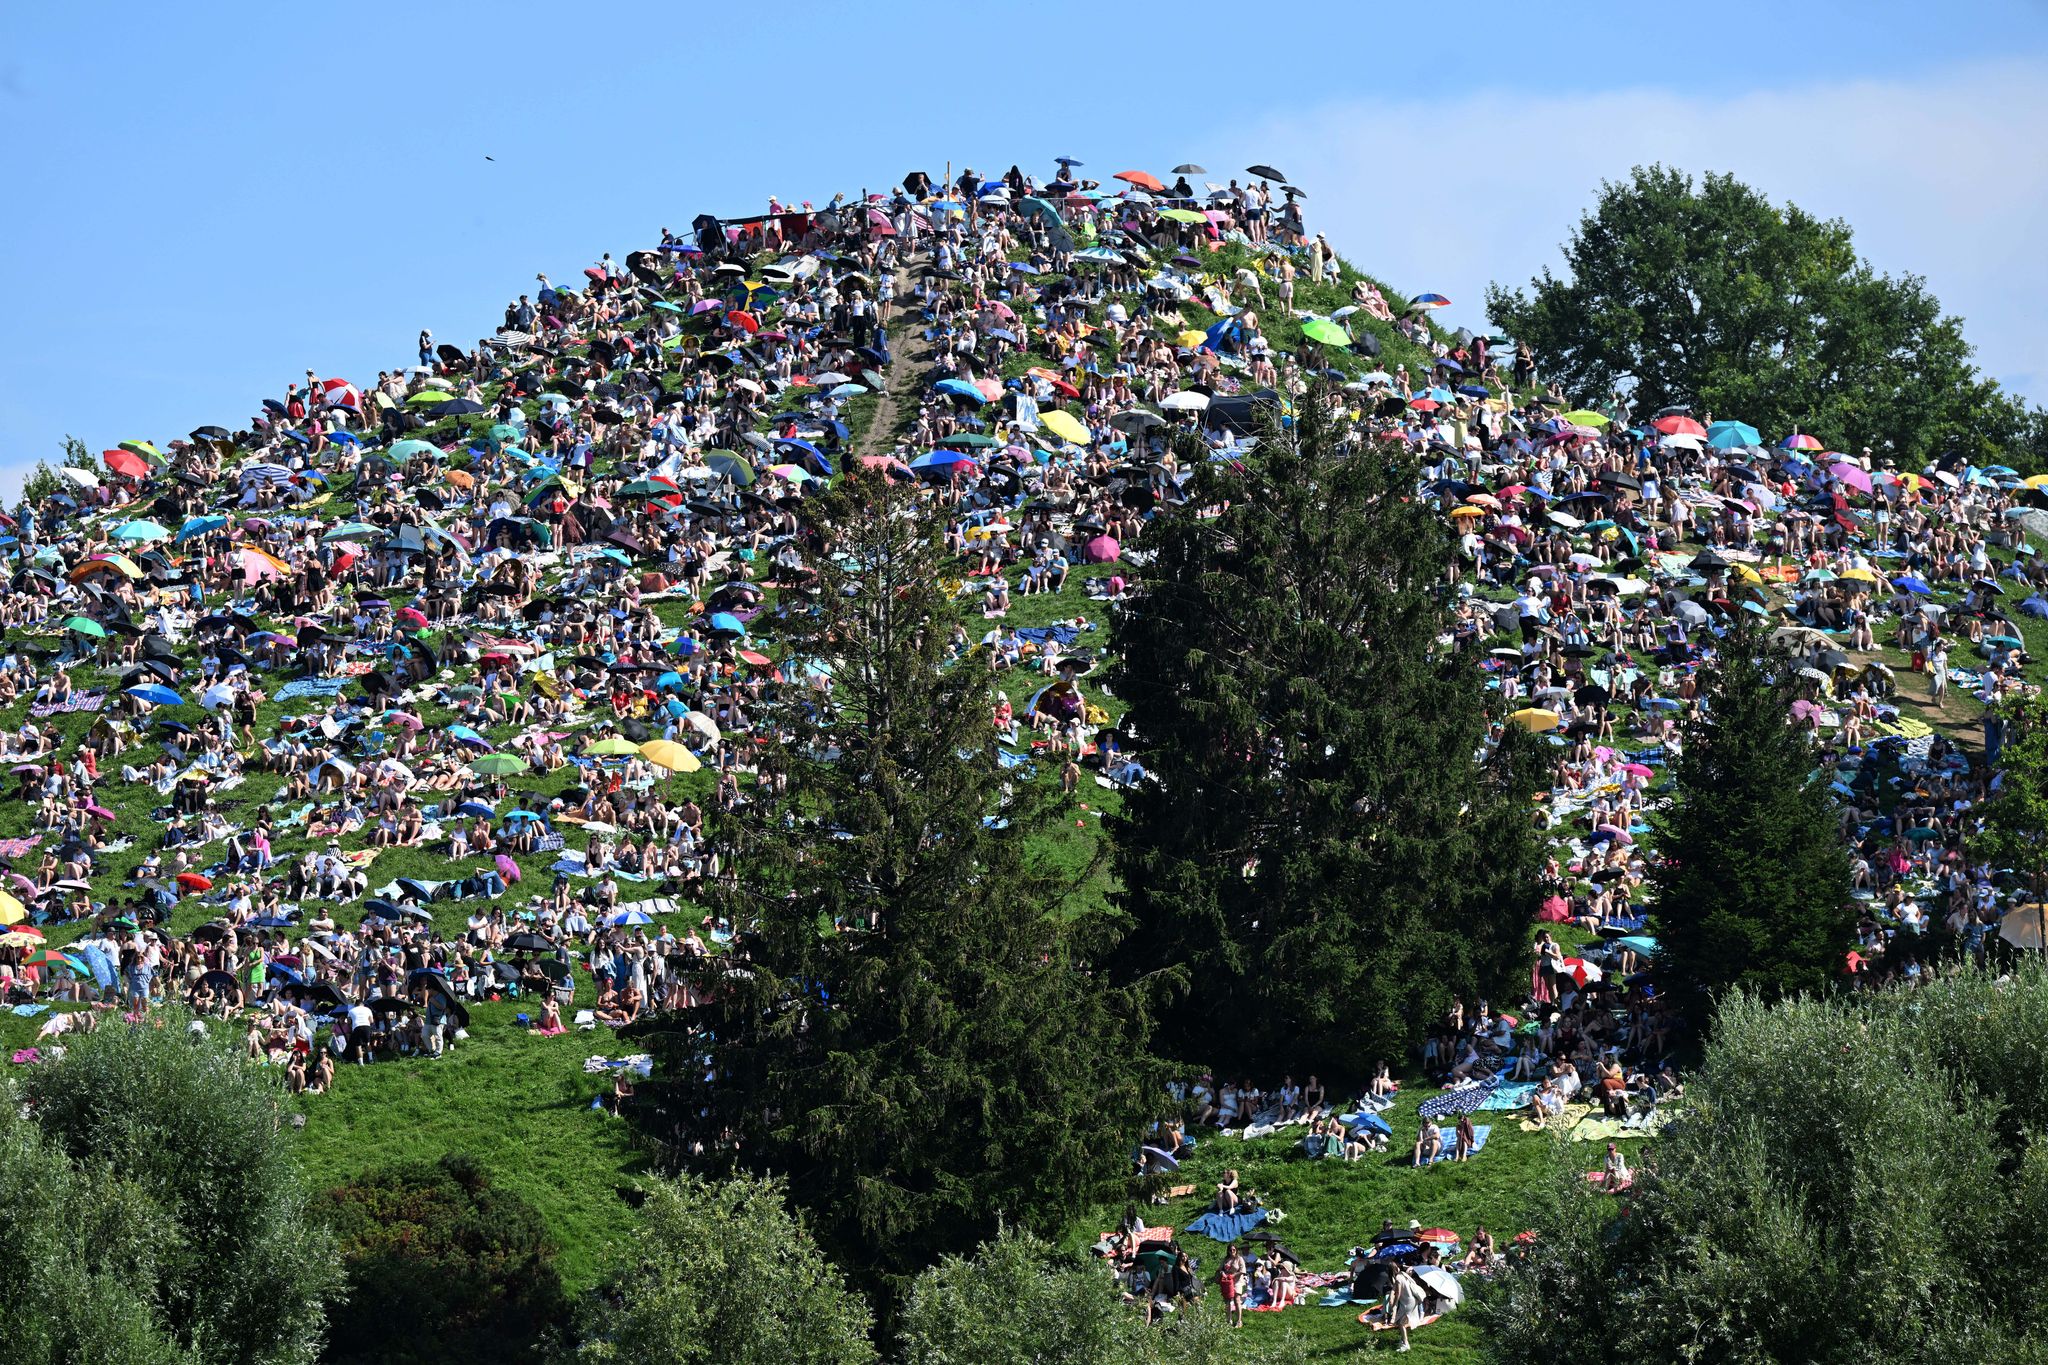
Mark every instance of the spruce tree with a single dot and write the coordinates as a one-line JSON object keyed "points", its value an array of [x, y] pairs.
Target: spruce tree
{"points": [[1331, 851], [909, 1031], [1752, 885]]}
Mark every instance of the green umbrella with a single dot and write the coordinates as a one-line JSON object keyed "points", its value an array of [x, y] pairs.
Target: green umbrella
{"points": [[425, 396], [354, 530], [498, 765], [970, 439], [645, 488], [730, 466], [1329, 333], [1184, 216], [615, 744], [85, 625], [506, 432], [405, 450]]}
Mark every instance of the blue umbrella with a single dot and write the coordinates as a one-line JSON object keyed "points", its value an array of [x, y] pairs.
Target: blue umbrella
{"points": [[476, 808], [814, 455], [668, 679], [468, 736], [155, 692], [1069, 161], [1906, 582], [941, 459], [625, 918], [1729, 435], [726, 621], [960, 388], [199, 526]]}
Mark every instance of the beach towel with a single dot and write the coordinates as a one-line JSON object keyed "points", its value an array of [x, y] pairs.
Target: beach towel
{"points": [[1450, 1141], [1063, 634], [1461, 1101], [1227, 1227], [15, 848]]}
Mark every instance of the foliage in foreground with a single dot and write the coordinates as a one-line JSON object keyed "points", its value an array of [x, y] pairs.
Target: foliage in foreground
{"points": [[1018, 1301], [722, 1271], [909, 1031], [1324, 862], [216, 1256], [1752, 888], [1859, 1178], [444, 1268]]}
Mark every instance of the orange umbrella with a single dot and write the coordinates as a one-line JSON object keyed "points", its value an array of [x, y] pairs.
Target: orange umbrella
{"points": [[1144, 180], [461, 478]]}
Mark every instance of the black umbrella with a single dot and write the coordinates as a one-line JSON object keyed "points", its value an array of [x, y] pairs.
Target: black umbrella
{"points": [[1264, 172], [528, 943], [210, 434]]}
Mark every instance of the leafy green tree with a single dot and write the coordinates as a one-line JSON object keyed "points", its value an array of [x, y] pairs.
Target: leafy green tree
{"points": [[84, 1252], [1018, 1301], [910, 1031], [444, 1268], [242, 1272], [722, 1273], [1850, 1182], [1325, 860], [2014, 833], [1710, 294], [1752, 885]]}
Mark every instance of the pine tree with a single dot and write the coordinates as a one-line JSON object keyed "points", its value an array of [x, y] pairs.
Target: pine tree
{"points": [[1325, 860], [910, 1032], [1753, 886]]}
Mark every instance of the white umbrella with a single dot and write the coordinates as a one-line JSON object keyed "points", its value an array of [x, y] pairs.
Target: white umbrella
{"points": [[702, 724], [1441, 1283], [84, 478], [1187, 400]]}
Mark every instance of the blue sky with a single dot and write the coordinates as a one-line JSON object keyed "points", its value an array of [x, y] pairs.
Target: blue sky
{"points": [[204, 201]]}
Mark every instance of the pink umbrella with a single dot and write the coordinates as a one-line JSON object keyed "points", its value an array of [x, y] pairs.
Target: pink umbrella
{"points": [[1637, 770], [1807, 712], [99, 812], [1852, 475], [1102, 549], [507, 869], [1619, 834], [412, 617]]}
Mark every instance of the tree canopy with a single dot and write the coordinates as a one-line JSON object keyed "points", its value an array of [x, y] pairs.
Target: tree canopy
{"points": [[1325, 859], [238, 1271], [1855, 1178], [909, 1030], [722, 1273], [1752, 888], [443, 1266], [1707, 293]]}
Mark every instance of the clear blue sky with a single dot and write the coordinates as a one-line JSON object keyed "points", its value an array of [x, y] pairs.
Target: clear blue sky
{"points": [[205, 200]]}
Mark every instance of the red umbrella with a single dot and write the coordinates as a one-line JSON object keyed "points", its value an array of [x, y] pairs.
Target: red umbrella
{"points": [[757, 660], [739, 317], [1423, 404], [1438, 1235], [193, 881], [1677, 424], [1144, 180], [125, 462], [412, 617]]}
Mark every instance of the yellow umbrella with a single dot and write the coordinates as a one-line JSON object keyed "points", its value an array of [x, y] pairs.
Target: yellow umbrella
{"points": [[666, 753], [1860, 575], [1535, 719], [1583, 418], [1745, 574], [2036, 480], [11, 911], [1191, 338], [1065, 426], [1467, 512]]}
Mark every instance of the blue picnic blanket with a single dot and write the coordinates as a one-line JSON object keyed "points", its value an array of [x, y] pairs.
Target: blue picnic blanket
{"points": [[1512, 1095], [1227, 1227], [311, 687], [1453, 1102], [1450, 1137]]}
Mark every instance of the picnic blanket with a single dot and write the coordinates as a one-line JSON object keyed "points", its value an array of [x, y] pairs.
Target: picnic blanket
{"points": [[311, 687], [1461, 1101], [15, 848], [1450, 1141], [1065, 635], [1600, 1128], [1511, 1095], [1227, 1227], [87, 700]]}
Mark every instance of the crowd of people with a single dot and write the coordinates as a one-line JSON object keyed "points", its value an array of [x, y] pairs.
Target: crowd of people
{"points": [[479, 612]]}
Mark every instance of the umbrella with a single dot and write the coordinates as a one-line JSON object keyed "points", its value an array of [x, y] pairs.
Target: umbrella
{"points": [[1535, 719], [666, 753], [1329, 333], [1265, 172], [498, 765], [1065, 426], [155, 694]]}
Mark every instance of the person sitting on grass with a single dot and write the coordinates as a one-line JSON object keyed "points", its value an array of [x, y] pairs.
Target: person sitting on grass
{"points": [[1429, 1144]]}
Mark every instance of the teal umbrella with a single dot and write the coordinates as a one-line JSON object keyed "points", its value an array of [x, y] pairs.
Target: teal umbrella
{"points": [[405, 450], [140, 530], [354, 530], [199, 526], [85, 625]]}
